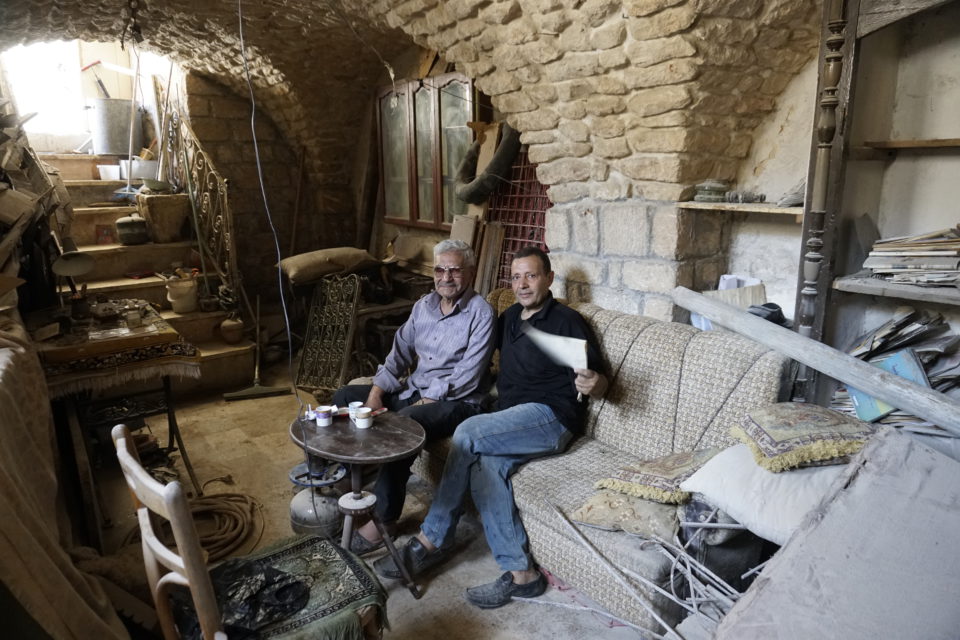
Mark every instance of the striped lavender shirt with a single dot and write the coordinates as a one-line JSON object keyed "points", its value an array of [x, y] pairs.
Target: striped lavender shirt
{"points": [[451, 352]]}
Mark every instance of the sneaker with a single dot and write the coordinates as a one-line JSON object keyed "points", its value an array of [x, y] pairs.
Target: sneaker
{"points": [[414, 556], [361, 546], [503, 590]]}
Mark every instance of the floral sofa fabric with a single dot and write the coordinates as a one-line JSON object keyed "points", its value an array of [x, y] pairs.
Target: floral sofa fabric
{"points": [[673, 388]]}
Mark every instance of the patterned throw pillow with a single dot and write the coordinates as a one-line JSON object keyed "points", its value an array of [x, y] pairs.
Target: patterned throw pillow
{"points": [[616, 511], [796, 434], [658, 479]]}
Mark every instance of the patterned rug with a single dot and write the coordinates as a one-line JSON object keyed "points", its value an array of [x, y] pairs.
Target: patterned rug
{"points": [[302, 588]]}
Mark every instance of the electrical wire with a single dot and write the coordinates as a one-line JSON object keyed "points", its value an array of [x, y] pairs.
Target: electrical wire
{"points": [[276, 240], [266, 206]]}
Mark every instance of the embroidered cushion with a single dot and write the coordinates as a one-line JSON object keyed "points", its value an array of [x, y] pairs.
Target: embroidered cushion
{"points": [[786, 435], [659, 479], [617, 511]]}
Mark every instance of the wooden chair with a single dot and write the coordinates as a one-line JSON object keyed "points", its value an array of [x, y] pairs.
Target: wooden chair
{"points": [[185, 565]]}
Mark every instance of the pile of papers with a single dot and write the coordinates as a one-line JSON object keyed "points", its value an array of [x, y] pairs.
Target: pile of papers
{"points": [[929, 259], [916, 345]]}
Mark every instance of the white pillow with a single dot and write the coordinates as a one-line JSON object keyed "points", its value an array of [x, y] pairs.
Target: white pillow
{"points": [[771, 505]]}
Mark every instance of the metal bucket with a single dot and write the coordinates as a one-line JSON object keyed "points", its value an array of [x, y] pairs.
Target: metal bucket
{"points": [[111, 127]]}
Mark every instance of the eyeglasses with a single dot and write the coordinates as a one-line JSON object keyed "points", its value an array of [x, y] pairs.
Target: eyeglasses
{"points": [[454, 272], [530, 277]]}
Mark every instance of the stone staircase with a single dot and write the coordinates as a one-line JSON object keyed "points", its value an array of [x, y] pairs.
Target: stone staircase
{"points": [[223, 366]]}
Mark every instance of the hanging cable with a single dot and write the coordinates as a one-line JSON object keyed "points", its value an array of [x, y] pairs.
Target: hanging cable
{"points": [[266, 207], [276, 240]]}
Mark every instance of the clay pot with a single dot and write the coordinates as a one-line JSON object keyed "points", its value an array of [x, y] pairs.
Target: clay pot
{"points": [[231, 330]]}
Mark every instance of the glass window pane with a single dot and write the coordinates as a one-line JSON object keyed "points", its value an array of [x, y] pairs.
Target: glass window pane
{"points": [[396, 172], [423, 111], [455, 139]]}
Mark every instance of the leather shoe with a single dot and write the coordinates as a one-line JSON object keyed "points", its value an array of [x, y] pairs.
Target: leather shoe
{"points": [[503, 590], [361, 546], [414, 556]]}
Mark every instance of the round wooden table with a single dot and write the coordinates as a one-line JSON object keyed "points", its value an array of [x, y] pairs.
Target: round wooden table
{"points": [[391, 437]]}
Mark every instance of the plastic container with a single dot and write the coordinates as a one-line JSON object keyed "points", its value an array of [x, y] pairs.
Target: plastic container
{"points": [[111, 127], [109, 171], [182, 295], [139, 168]]}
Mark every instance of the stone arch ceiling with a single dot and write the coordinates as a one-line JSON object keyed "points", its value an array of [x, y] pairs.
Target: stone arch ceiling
{"points": [[616, 98], [311, 74]]}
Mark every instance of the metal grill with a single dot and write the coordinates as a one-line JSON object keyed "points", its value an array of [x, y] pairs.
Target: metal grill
{"points": [[519, 204]]}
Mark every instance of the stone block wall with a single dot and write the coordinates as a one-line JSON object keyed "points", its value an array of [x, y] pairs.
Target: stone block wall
{"points": [[221, 121], [622, 102], [629, 255]]}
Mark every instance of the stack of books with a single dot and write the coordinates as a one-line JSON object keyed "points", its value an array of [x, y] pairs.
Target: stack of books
{"points": [[916, 345], [928, 260]]}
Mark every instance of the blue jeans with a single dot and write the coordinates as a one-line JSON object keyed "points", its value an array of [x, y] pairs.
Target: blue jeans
{"points": [[487, 449], [438, 420]]}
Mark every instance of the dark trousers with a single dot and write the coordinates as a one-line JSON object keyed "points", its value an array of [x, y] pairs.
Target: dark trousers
{"points": [[438, 419]]}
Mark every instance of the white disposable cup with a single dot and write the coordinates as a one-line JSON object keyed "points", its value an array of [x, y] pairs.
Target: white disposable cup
{"points": [[364, 418], [324, 416], [352, 407]]}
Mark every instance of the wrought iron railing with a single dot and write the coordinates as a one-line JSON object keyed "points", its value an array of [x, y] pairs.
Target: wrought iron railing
{"points": [[189, 168]]}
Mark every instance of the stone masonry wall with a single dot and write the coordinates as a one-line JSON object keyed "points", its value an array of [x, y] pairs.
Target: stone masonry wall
{"points": [[628, 255], [221, 121], [623, 103]]}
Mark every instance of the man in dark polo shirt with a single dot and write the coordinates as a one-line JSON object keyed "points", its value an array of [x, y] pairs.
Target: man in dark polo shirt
{"points": [[539, 411]]}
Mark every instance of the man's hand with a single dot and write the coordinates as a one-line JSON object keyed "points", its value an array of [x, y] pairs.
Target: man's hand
{"points": [[423, 401], [590, 383], [374, 398]]}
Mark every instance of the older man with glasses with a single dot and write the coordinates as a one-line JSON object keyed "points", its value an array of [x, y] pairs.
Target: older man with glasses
{"points": [[446, 343]]}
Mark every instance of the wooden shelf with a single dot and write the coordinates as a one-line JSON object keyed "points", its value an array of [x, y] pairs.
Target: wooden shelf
{"points": [[745, 207], [941, 143], [864, 283]]}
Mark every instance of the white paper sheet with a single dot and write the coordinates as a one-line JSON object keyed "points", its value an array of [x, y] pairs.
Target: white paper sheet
{"points": [[567, 352]]}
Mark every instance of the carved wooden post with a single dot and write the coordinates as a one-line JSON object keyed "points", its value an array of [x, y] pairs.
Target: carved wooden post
{"points": [[811, 294]]}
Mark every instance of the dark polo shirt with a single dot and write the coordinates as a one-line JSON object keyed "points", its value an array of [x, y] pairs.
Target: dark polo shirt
{"points": [[527, 375]]}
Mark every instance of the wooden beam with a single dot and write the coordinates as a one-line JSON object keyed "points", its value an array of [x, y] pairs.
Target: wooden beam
{"points": [[940, 143], [891, 388], [876, 14]]}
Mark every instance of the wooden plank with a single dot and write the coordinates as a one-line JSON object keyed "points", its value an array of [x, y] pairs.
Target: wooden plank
{"points": [[745, 207], [90, 500], [891, 388], [427, 59], [489, 262], [876, 14], [864, 283], [464, 228], [938, 143]]}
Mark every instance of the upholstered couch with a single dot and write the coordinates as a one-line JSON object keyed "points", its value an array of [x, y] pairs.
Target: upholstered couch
{"points": [[673, 388]]}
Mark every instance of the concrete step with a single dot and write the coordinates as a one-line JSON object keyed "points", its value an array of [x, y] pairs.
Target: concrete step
{"points": [[86, 220], [223, 367], [116, 260], [78, 166], [196, 326], [83, 193], [153, 289]]}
